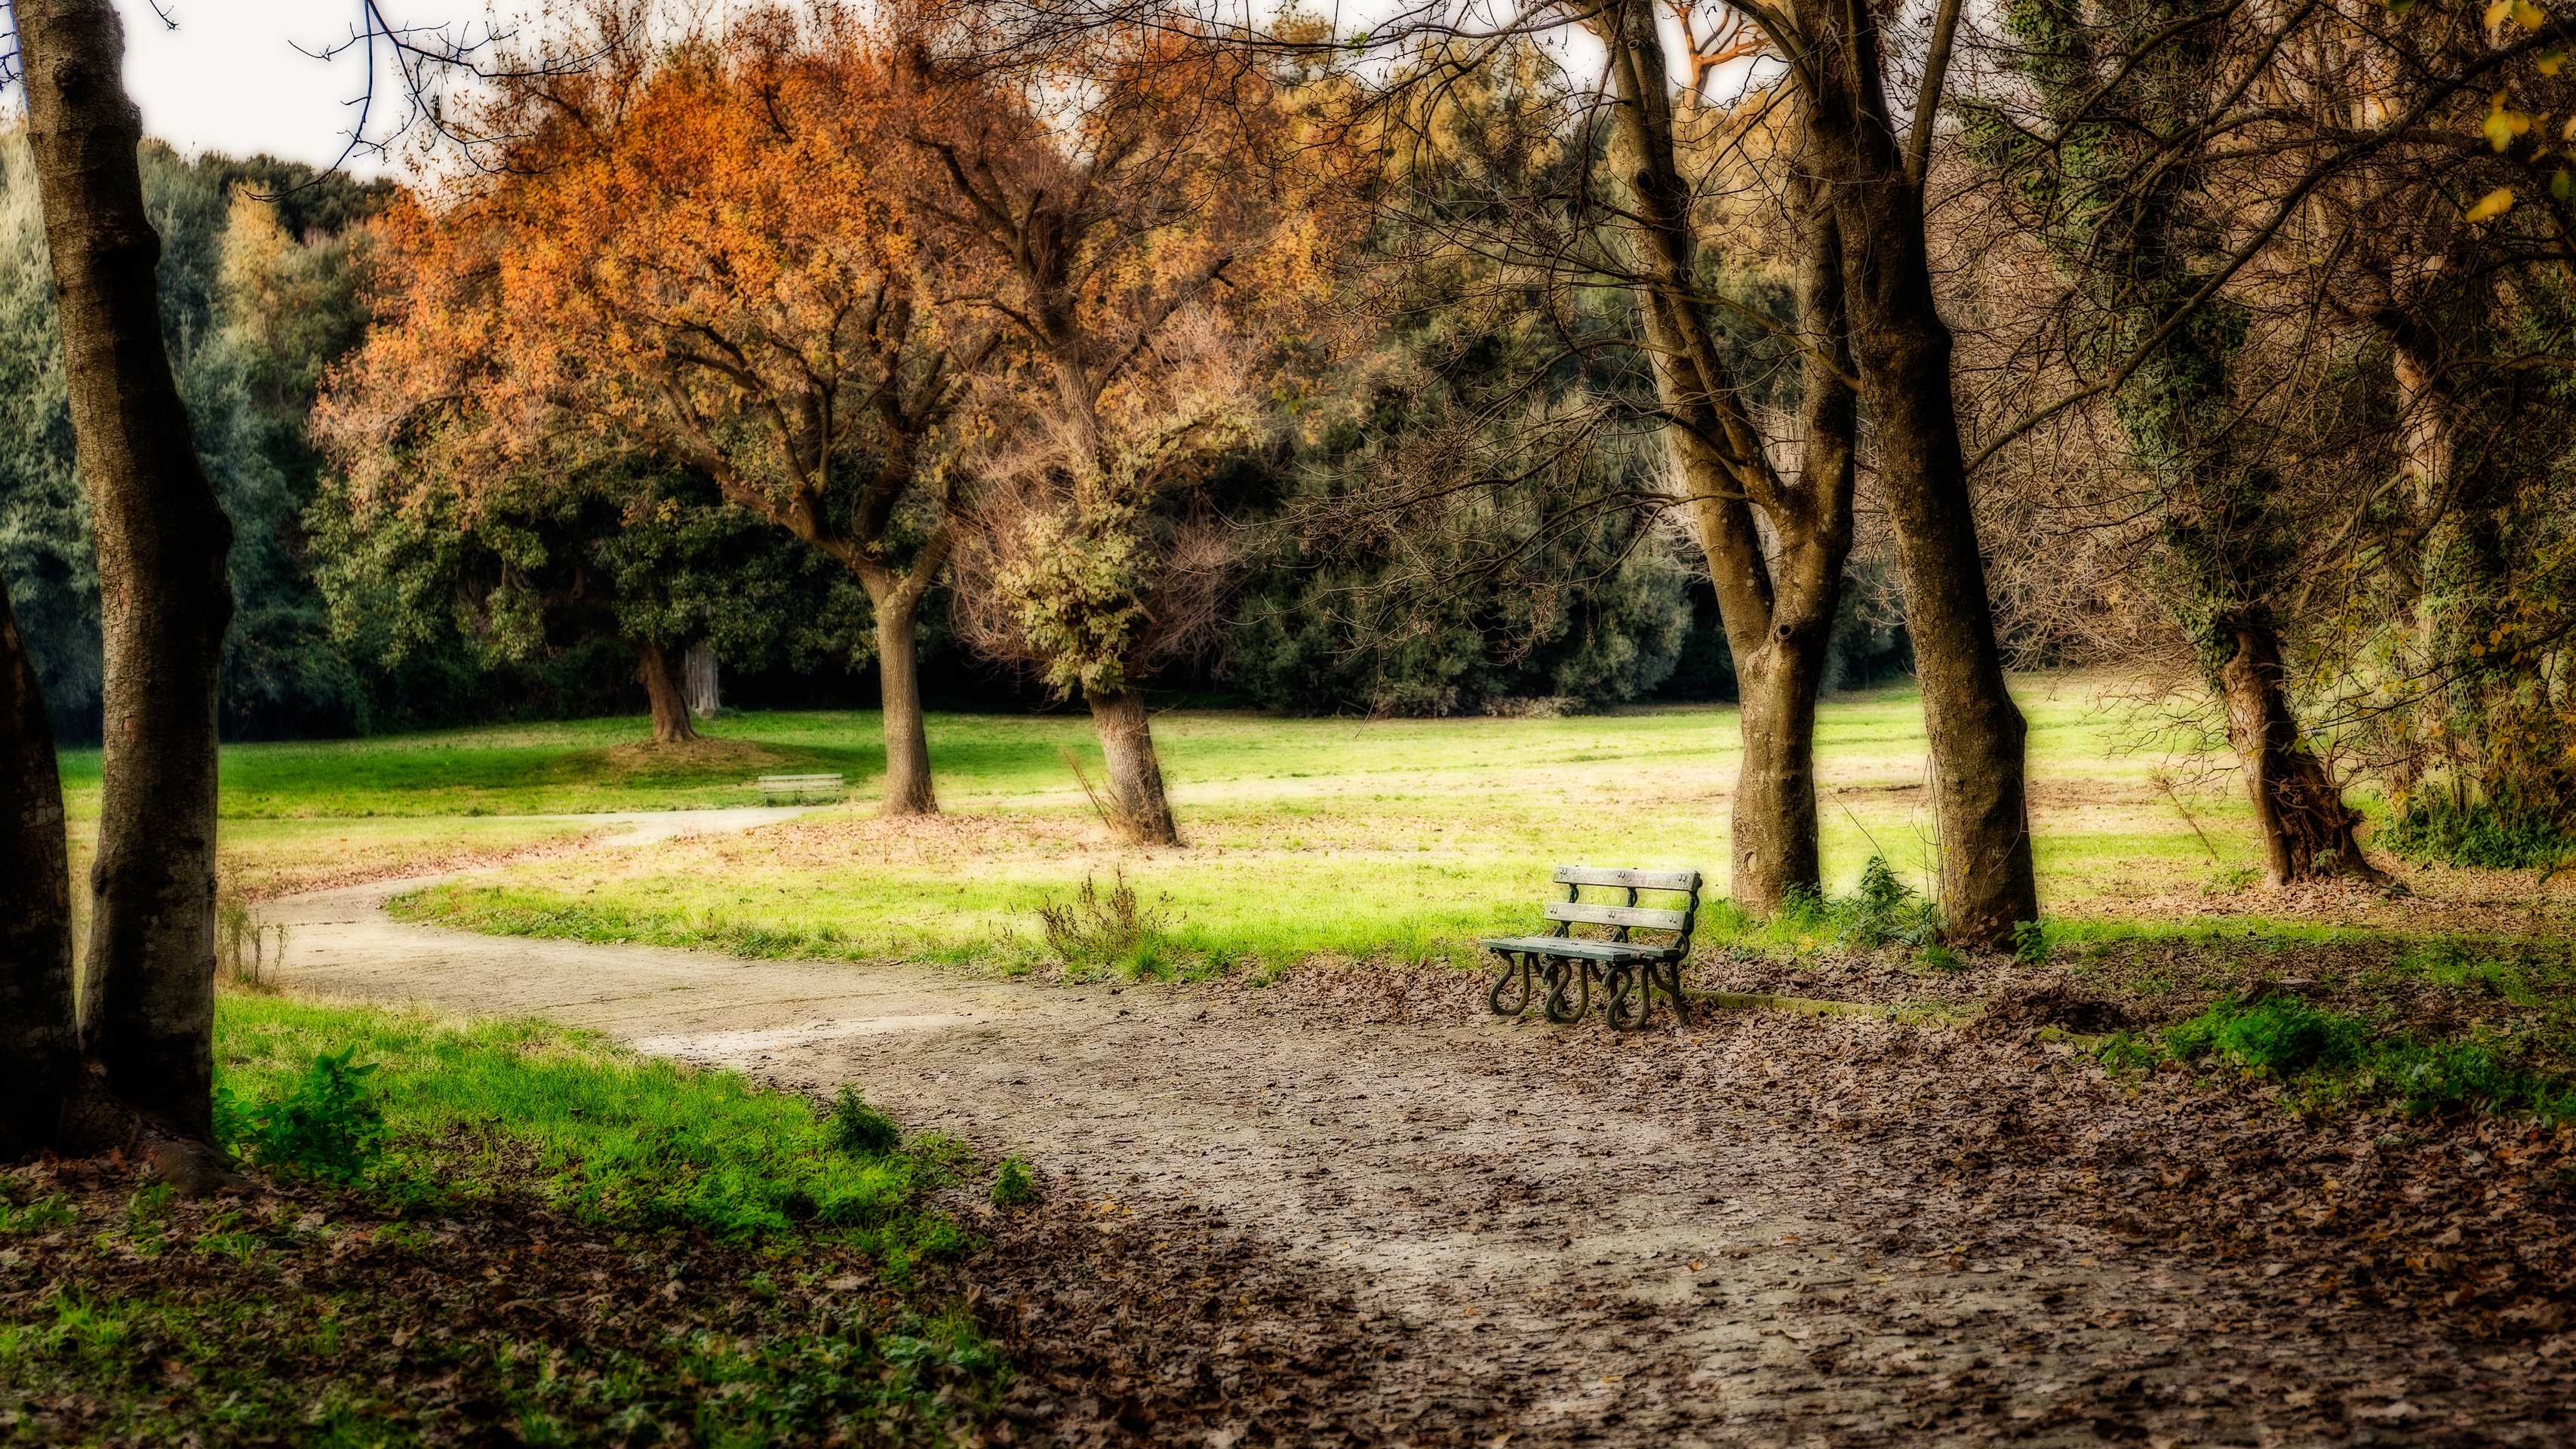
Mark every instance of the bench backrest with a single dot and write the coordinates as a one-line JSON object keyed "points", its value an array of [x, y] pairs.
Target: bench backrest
{"points": [[1628, 916], [784, 781]]}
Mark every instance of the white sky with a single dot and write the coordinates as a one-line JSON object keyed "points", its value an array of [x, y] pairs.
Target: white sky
{"points": [[230, 79]]}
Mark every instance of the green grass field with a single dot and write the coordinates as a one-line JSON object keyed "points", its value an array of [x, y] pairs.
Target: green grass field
{"points": [[1308, 837], [760, 1264]]}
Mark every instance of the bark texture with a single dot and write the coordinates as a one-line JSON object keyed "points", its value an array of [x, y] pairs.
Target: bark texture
{"points": [[907, 740], [1777, 605], [1903, 347], [162, 539], [41, 1068], [2307, 829], [659, 670], [1135, 774], [698, 671]]}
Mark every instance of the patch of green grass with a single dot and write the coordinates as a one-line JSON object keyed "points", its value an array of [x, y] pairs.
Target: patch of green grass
{"points": [[473, 1109], [714, 1263], [2329, 1057]]}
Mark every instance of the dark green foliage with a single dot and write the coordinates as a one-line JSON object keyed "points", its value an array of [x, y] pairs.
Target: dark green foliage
{"points": [[2030, 943], [860, 1128], [248, 336], [2281, 1034], [2333, 1056], [328, 1125], [2483, 834], [1882, 909], [1014, 1184], [533, 600]]}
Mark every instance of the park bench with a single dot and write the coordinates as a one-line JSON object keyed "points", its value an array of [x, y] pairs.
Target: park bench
{"points": [[1629, 970], [800, 786]]}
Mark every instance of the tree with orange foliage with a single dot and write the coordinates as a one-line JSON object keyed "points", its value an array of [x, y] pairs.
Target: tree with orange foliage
{"points": [[704, 254], [1155, 263]]}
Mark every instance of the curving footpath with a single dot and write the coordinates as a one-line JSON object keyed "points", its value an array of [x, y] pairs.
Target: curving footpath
{"points": [[1555, 1244]]}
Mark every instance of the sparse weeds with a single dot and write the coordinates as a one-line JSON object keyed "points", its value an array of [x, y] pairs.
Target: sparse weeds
{"points": [[1113, 929], [327, 1125], [247, 948], [1881, 910]]}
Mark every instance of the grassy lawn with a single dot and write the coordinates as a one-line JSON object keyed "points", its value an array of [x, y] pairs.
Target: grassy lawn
{"points": [[1308, 837], [506, 1230]]}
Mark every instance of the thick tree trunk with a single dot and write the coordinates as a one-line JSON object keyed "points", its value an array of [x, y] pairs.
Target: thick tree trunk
{"points": [[1135, 774], [149, 995], [698, 680], [1903, 349], [2307, 829], [1775, 828], [907, 738], [1777, 609], [41, 1069], [659, 669]]}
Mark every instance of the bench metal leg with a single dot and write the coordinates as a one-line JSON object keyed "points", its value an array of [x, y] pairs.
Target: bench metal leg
{"points": [[1629, 1001], [1562, 973], [1672, 985], [1511, 993]]}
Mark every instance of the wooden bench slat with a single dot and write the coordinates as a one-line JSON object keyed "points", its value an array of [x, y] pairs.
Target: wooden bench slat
{"points": [[799, 779], [1569, 946], [1591, 915], [1643, 880]]}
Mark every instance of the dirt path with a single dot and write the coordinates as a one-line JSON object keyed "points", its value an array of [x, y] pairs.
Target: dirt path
{"points": [[1506, 1234]]}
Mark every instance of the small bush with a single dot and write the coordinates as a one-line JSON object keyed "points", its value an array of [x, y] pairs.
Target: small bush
{"points": [[328, 1125], [2280, 1033], [1114, 928], [860, 1128], [2232, 882], [2030, 943], [1015, 1185], [1882, 909], [2483, 834], [1937, 957]]}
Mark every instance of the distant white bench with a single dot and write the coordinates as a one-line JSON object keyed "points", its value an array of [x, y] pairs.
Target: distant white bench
{"points": [[800, 786]]}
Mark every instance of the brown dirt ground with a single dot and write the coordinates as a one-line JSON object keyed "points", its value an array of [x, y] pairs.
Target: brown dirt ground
{"points": [[1352, 1208]]}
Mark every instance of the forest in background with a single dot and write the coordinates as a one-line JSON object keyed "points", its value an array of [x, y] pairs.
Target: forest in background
{"points": [[264, 290]]}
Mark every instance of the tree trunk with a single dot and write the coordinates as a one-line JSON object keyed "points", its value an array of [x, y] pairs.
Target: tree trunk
{"points": [[149, 995], [907, 739], [698, 678], [1777, 611], [41, 1070], [659, 669], [1135, 775], [1903, 349], [1777, 680], [2307, 829]]}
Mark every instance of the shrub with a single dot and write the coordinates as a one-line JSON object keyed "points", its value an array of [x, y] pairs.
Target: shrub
{"points": [[1015, 1185], [328, 1125], [1097, 929], [2030, 943], [2482, 834], [1881, 909], [2280, 1033], [860, 1128]]}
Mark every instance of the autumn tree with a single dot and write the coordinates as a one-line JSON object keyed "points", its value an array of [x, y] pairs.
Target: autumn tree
{"points": [[704, 253], [1150, 254]]}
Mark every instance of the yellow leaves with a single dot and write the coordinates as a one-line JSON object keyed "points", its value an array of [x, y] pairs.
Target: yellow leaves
{"points": [[2495, 203], [2549, 61], [2504, 123], [2520, 12]]}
